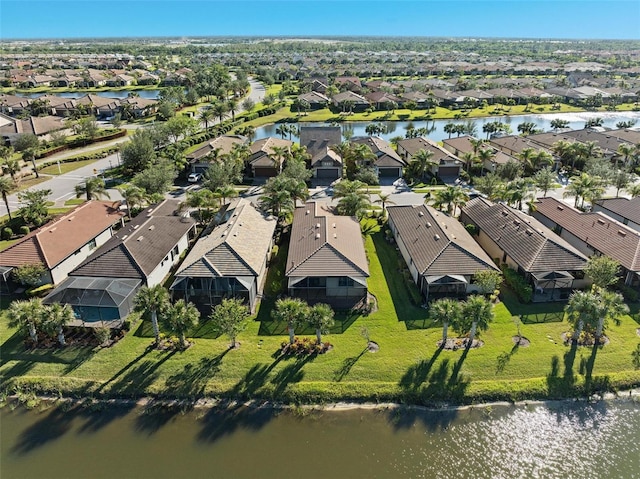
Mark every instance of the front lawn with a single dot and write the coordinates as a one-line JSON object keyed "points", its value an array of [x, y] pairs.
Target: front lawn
{"points": [[407, 368]]}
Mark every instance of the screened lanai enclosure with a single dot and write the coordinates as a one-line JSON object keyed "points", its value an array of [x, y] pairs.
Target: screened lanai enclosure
{"points": [[208, 292], [96, 301]]}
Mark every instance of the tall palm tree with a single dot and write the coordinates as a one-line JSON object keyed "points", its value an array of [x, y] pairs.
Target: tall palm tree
{"points": [[384, 200], [584, 187], [544, 180], [445, 311], [153, 301], [292, 311], [277, 156], [179, 318], [93, 188], [27, 315], [206, 116], [353, 204], [6, 185], [478, 311], [451, 196], [611, 306], [450, 128], [56, 317], [133, 196], [582, 309], [220, 110], [320, 318], [633, 190], [625, 150], [421, 162], [226, 192], [278, 203], [232, 106]]}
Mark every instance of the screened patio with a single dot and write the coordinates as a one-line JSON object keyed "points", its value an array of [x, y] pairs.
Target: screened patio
{"points": [[552, 285]]}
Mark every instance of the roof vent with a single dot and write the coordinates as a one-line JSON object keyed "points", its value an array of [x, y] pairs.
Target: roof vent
{"points": [[428, 225], [622, 233], [436, 237], [505, 213], [317, 225], [125, 237], [140, 238], [152, 227], [307, 212], [317, 235], [529, 232], [335, 235], [53, 229], [224, 233], [420, 213], [334, 225], [560, 207], [71, 218], [600, 221], [516, 222], [135, 227]]}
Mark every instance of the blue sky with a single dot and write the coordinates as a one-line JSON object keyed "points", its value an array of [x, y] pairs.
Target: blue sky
{"points": [[614, 19]]}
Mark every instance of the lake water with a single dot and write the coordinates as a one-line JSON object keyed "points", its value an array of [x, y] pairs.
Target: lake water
{"points": [[542, 121], [555, 440], [149, 94]]}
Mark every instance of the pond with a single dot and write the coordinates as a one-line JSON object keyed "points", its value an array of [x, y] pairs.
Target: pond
{"points": [[437, 133], [552, 440]]}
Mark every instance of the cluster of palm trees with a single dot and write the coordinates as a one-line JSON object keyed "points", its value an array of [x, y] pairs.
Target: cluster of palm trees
{"points": [[218, 110], [467, 128], [285, 129], [464, 317], [32, 316], [448, 199], [295, 312]]}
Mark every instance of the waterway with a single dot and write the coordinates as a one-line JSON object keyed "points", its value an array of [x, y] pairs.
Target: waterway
{"points": [[436, 128], [552, 440]]}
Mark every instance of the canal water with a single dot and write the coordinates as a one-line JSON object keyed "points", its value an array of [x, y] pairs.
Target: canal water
{"points": [[436, 128], [554, 440]]}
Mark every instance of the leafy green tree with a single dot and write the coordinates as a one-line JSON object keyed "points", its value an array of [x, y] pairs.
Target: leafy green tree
{"points": [[26, 315], [204, 201], [55, 318], [93, 188], [180, 126], [34, 210], [156, 178], [321, 319], [87, 128], [633, 190], [29, 274], [179, 318], [230, 318], [488, 184], [445, 311], [6, 186], [621, 179], [487, 280], [139, 153], [224, 172], [28, 144], [477, 311], [292, 311], [152, 301], [603, 271]]}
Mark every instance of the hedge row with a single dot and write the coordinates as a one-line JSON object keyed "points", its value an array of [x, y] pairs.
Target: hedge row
{"points": [[78, 142], [89, 156], [220, 129], [518, 284]]}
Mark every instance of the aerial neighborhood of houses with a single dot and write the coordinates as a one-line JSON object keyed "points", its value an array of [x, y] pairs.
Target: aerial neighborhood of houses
{"points": [[96, 258]]}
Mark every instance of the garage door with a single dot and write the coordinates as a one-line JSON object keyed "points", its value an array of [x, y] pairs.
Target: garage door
{"points": [[264, 172], [448, 171], [327, 173], [389, 172]]}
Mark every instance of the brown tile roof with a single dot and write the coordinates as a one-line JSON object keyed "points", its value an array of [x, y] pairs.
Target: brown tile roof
{"points": [[36, 125], [608, 143], [597, 230], [440, 155], [533, 246], [625, 207], [318, 141], [630, 136], [224, 143], [438, 244], [138, 248], [262, 149], [515, 144], [385, 154], [323, 244], [235, 248], [58, 239], [549, 139]]}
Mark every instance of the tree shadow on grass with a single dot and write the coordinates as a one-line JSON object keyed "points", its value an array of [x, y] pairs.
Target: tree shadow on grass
{"points": [[562, 386], [138, 378], [123, 370], [254, 379], [347, 364], [417, 374], [191, 382], [503, 358]]}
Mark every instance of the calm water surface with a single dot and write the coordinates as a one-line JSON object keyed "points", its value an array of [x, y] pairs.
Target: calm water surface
{"points": [[436, 128], [558, 440]]}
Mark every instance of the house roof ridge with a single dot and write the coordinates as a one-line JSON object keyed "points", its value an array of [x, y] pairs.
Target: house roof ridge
{"points": [[293, 268], [349, 261]]}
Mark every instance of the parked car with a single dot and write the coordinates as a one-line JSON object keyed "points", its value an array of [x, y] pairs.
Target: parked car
{"points": [[195, 178]]}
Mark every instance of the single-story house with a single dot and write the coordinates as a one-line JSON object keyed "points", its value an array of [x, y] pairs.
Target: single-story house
{"points": [[461, 145], [624, 210], [349, 101], [446, 163], [143, 253], [626, 134], [62, 244], [263, 160], [229, 259], [514, 145], [441, 255], [388, 163], [326, 261], [11, 128], [201, 158], [594, 234], [608, 143], [316, 100], [549, 263], [318, 140]]}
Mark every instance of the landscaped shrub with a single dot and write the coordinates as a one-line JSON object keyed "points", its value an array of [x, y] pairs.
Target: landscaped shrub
{"points": [[24, 230], [628, 293], [39, 291], [7, 233], [102, 334], [518, 284]]}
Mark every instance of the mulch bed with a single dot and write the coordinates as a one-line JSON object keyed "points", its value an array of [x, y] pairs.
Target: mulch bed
{"points": [[567, 340], [453, 344], [373, 347], [74, 337], [521, 341]]}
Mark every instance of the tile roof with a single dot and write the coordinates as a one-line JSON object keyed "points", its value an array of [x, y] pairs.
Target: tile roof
{"points": [[438, 244], [58, 239], [138, 248], [440, 155], [262, 149], [222, 143], [385, 154], [597, 230], [628, 135], [533, 246], [235, 248], [515, 144], [608, 143], [625, 207], [323, 244]]}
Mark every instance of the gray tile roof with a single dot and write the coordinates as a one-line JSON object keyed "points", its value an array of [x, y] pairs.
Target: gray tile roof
{"points": [[138, 248], [625, 207], [235, 248], [438, 244], [385, 154], [599, 231], [323, 244], [608, 143], [440, 155], [533, 246], [628, 135]]}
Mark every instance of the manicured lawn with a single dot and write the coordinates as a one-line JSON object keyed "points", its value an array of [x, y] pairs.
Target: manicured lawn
{"points": [[65, 167], [408, 367]]}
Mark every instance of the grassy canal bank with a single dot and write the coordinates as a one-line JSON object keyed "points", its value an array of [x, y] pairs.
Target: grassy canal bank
{"points": [[408, 368]]}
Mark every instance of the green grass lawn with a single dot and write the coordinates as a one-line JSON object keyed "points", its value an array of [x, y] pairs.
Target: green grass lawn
{"points": [[408, 367], [65, 167]]}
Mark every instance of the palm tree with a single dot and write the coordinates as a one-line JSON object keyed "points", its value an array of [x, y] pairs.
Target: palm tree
{"points": [[421, 162], [56, 317], [153, 300], [584, 187], [292, 311], [180, 318], [478, 311], [633, 190], [321, 319], [278, 154], [133, 196], [544, 180], [611, 306], [383, 199], [93, 188], [527, 128], [278, 203], [558, 124], [226, 192], [625, 150], [445, 311], [452, 196], [582, 308], [6, 185], [26, 315], [232, 106], [450, 128], [206, 116], [229, 318], [11, 165], [220, 110]]}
